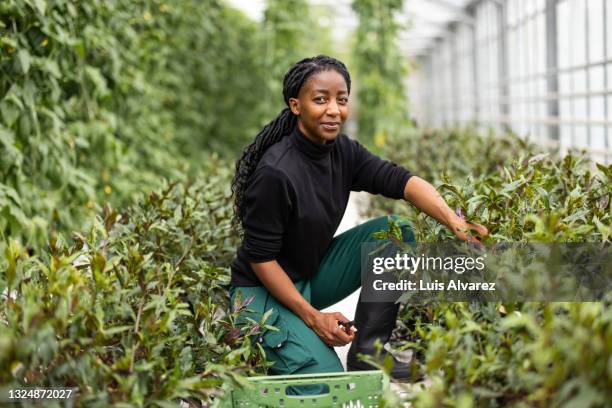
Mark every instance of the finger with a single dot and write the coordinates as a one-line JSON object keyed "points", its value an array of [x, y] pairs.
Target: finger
{"points": [[336, 343], [343, 337], [481, 229], [333, 324], [341, 317], [346, 341]]}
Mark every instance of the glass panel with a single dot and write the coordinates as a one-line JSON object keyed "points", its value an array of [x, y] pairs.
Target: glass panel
{"points": [[596, 33], [564, 34]]}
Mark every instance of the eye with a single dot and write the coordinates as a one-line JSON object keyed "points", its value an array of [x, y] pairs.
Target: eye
{"points": [[319, 99], [343, 101]]}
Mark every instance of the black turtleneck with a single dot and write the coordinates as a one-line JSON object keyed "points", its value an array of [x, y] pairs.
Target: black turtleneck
{"points": [[297, 197]]}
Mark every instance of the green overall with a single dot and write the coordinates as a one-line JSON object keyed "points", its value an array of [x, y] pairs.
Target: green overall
{"points": [[295, 348]]}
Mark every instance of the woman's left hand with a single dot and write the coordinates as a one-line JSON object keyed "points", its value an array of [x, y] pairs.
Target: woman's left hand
{"points": [[469, 231], [427, 199]]}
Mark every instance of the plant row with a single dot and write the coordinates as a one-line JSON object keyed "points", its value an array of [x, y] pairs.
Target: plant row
{"points": [[508, 353], [135, 312]]}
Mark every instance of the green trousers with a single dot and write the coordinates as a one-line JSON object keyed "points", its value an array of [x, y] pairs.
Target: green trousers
{"points": [[295, 348]]}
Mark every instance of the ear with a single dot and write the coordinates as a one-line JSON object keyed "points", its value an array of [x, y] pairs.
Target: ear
{"points": [[294, 105]]}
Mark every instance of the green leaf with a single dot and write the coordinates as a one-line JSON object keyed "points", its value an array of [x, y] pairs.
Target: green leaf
{"points": [[23, 58], [114, 330], [9, 112], [604, 230], [41, 6]]}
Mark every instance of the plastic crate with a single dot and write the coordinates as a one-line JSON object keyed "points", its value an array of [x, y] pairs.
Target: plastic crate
{"points": [[351, 389]]}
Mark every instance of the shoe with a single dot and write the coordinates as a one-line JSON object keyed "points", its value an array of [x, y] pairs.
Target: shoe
{"points": [[375, 321]]}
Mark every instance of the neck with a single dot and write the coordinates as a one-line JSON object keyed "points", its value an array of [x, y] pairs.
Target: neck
{"points": [[309, 137]]}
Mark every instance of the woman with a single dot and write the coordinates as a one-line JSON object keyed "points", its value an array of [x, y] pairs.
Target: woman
{"points": [[291, 188]]}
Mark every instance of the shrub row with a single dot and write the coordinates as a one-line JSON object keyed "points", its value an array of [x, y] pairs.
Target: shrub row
{"points": [[100, 100], [135, 312], [509, 354]]}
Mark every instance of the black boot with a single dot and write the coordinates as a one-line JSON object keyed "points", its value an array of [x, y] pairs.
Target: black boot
{"points": [[376, 320]]}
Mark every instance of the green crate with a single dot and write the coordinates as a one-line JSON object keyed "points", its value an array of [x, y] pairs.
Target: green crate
{"points": [[354, 389]]}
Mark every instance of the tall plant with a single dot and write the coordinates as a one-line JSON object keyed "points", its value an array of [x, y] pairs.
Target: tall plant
{"points": [[290, 32], [217, 76], [101, 100], [380, 71]]}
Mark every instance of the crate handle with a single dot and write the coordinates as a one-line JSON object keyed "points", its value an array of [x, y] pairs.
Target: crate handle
{"points": [[307, 396]]}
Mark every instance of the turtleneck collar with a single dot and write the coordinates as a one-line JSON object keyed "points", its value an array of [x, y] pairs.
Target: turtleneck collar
{"points": [[310, 148]]}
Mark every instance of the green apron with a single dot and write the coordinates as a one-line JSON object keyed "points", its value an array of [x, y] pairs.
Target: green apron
{"points": [[295, 348]]}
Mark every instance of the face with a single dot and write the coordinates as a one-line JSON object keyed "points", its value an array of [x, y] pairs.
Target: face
{"points": [[321, 106]]}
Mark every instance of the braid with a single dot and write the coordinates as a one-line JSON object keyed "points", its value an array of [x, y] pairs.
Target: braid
{"points": [[280, 126]]}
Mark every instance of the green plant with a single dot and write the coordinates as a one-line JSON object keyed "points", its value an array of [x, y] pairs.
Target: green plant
{"points": [[136, 311], [380, 71], [101, 100], [503, 353]]}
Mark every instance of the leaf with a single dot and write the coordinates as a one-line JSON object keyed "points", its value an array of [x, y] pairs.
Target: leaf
{"points": [[485, 392], [9, 112], [471, 326], [587, 396], [98, 80], [266, 315], [52, 68], [604, 230], [114, 330], [41, 5], [516, 321], [23, 57]]}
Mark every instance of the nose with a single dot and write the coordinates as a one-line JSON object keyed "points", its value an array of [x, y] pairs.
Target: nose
{"points": [[333, 109]]}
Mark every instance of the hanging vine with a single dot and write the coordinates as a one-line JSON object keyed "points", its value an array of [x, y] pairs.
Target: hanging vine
{"points": [[380, 70]]}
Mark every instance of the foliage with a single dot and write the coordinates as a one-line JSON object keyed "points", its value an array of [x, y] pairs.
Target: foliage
{"points": [[509, 354], [518, 193], [100, 100], [488, 354], [215, 76], [457, 152], [380, 71], [289, 35], [135, 311]]}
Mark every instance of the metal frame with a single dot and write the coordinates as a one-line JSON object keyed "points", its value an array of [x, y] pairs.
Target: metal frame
{"points": [[541, 104]]}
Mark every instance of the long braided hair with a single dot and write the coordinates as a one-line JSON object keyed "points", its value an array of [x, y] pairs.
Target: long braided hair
{"points": [[280, 126]]}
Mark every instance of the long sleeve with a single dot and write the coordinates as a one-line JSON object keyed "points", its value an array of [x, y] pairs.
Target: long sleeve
{"points": [[267, 211], [296, 199], [375, 175]]}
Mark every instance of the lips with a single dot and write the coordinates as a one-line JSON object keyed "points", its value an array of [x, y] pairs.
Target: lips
{"points": [[331, 125]]}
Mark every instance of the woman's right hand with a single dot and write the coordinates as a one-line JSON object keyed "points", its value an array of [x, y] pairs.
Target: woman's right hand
{"points": [[327, 328]]}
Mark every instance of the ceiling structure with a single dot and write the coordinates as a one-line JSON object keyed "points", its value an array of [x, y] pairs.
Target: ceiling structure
{"points": [[424, 21]]}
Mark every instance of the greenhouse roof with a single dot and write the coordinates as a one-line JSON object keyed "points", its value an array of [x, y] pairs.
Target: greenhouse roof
{"points": [[425, 21]]}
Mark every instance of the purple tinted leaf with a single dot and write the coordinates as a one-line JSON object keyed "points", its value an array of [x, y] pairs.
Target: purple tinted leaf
{"points": [[248, 301], [231, 337], [254, 329]]}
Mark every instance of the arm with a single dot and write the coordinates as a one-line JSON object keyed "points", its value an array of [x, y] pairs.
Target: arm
{"points": [[427, 199], [275, 279]]}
